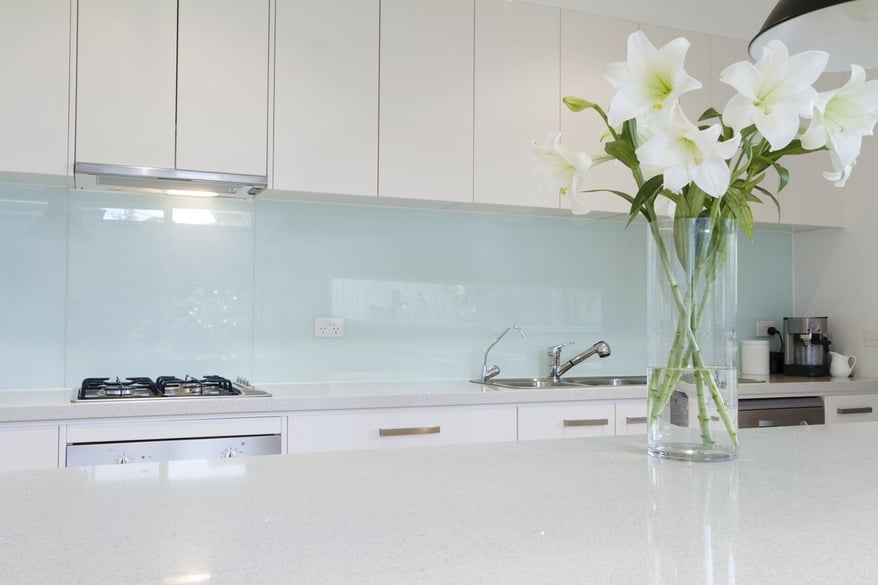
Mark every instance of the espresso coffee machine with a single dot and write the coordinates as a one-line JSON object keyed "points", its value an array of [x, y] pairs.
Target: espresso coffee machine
{"points": [[806, 346]]}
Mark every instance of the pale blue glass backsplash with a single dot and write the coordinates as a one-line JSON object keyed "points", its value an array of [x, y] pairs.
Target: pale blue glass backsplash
{"points": [[100, 284]]}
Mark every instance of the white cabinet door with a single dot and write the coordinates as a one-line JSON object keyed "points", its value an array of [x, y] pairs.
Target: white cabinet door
{"points": [[426, 89], [326, 96], [631, 417], [126, 82], [222, 86], [517, 98], [28, 447], [145, 99], [588, 44], [565, 420], [35, 68], [402, 427], [854, 408]]}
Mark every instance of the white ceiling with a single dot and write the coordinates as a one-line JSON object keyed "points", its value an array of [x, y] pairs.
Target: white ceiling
{"points": [[730, 18]]}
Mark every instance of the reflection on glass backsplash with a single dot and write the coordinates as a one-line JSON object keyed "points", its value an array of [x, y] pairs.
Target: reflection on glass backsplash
{"points": [[109, 284], [33, 238], [427, 302], [158, 286], [423, 292]]}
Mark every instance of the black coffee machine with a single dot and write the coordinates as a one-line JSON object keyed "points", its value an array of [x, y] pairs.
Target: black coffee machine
{"points": [[806, 346]]}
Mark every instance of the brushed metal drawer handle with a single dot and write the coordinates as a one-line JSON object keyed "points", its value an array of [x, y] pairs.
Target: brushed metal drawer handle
{"points": [[586, 422], [635, 420], [858, 410], [409, 431]]}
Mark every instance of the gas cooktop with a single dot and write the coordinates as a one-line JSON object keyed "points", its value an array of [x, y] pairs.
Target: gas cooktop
{"points": [[140, 388]]}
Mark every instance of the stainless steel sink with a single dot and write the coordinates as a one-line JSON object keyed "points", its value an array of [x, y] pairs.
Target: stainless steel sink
{"points": [[531, 383], [572, 382], [607, 380]]}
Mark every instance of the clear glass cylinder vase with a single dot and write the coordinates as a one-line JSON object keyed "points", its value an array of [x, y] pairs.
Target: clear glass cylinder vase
{"points": [[692, 401]]}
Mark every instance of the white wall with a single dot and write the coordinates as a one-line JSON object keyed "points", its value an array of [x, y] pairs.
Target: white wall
{"points": [[836, 271]]}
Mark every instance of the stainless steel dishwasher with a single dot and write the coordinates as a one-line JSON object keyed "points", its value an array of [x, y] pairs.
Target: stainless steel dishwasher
{"points": [[780, 412]]}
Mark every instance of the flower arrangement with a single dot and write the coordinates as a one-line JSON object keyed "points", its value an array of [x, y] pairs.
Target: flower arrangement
{"points": [[712, 169]]}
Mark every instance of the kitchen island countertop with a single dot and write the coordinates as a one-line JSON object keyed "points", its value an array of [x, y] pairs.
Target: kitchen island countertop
{"points": [[798, 506], [54, 404]]}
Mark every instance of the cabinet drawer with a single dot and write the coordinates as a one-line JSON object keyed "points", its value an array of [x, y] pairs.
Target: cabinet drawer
{"points": [[406, 427], [28, 447], [854, 408], [564, 420], [631, 417]]}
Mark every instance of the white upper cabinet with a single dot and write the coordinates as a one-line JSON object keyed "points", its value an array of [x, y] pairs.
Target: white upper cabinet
{"points": [[326, 96], [145, 99], [222, 86], [588, 44], [426, 89], [126, 82], [517, 98], [35, 44]]}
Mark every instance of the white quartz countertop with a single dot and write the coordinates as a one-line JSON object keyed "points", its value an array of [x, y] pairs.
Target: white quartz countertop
{"points": [[55, 405], [798, 506]]}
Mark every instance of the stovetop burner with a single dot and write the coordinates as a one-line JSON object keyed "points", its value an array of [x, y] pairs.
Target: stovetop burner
{"points": [[189, 386], [163, 387]]}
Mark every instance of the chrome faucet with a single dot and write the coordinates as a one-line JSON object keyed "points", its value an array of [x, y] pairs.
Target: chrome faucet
{"points": [[557, 369], [488, 373]]}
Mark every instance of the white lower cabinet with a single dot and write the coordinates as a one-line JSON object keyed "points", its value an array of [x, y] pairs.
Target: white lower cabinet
{"points": [[566, 420], [631, 417], [309, 432], [28, 447], [851, 408]]}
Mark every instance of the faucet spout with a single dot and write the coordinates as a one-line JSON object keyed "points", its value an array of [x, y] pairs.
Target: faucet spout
{"points": [[488, 373], [601, 348]]}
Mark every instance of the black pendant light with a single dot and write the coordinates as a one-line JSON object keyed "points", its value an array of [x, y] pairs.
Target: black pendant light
{"points": [[848, 30]]}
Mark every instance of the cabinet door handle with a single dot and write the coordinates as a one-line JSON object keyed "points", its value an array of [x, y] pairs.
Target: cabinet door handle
{"points": [[635, 420], [586, 422], [409, 431], [858, 410]]}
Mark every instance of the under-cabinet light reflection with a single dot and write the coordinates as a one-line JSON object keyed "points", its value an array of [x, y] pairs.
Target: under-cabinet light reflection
{"points": [[188, 579], [191, 193], [193, 216]]}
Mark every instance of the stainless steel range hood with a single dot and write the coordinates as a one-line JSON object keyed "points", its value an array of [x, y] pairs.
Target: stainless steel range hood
{"points": [[102, 177]]}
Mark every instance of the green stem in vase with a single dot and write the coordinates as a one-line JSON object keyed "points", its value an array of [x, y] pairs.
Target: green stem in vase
{"points": [[685, 345]]}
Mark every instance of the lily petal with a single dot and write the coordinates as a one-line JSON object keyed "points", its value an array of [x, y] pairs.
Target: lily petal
{"points": [[774, 92], [651, 80]]}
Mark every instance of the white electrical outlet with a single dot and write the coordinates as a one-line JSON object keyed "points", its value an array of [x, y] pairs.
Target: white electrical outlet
{"points": [[762, 328], [328, 327], [870, 338]]}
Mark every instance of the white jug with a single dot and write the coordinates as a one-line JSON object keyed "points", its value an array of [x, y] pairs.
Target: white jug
{"points": [[841, 366]]}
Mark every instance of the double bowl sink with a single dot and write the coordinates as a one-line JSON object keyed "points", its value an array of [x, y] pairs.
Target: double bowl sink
{"points": [[562, 383]]}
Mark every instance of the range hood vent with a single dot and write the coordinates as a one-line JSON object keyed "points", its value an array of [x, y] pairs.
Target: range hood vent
{"points": [[100, 177]]}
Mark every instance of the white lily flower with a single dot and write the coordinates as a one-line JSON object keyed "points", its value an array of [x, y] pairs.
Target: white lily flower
{"points": [[651, 80], [841, 118], [773, 93], [560, 169], [687, 154]]}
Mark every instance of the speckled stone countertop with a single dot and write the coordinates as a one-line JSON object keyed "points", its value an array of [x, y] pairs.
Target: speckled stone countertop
{"points": [[798, 506], [55, 404]]}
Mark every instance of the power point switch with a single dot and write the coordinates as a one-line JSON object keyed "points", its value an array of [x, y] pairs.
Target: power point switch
{"points": [[328, 327]]}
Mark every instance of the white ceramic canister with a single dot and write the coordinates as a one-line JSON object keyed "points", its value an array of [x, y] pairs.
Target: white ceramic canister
{"points": [[754, 357]]}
